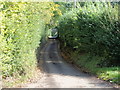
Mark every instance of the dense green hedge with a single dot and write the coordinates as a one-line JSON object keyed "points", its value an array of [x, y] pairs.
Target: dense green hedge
{"points": [[23, 24], [93, 28]]}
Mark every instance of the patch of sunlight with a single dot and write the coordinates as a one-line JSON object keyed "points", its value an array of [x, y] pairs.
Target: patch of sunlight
{"points": [[54, 61]]}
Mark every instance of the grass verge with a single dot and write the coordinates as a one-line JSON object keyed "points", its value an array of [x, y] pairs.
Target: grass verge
{"points": [[90, 64]]}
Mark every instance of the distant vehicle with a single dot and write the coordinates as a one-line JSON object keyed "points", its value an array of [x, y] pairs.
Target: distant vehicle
{"points": [[53, 33], [52, 37]]}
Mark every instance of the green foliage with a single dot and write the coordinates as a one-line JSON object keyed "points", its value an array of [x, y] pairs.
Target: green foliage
{"points": [[23, 25], [91, 64], [65, 7], [93, 28], [111, 74]]}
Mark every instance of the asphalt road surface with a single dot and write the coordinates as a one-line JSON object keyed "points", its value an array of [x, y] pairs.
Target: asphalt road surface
{"points": [[59, 74]]}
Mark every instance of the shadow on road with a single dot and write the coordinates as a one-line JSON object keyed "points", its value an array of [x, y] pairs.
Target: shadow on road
{"points": [[61, 72]]}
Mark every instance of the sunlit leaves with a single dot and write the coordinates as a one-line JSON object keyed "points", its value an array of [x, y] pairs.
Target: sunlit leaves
{"points": [[22, 27]]}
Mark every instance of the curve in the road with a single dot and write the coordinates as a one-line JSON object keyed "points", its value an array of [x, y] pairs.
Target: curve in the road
{"points": [[59, 74]]}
